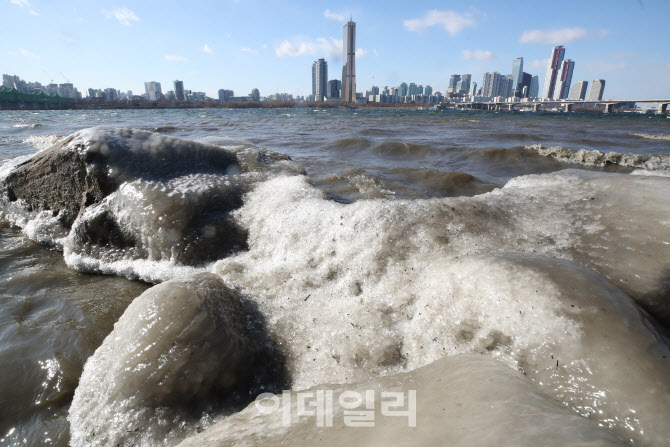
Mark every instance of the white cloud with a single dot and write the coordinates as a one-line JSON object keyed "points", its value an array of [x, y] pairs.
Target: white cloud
{"points": [[624, 55], [452, 22], [124, 15], [477, 55], [207, 49], [21, 3], [174, 58], [334, 15], [376, 53], [34, 13], [540, 63], [27, 53], [320, 46], [250, 51], [553, 36], [361, 53]]}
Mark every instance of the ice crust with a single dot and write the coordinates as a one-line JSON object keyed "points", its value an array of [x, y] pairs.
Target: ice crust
{"points": [[597, 158], [463, 400], [175, 347]]}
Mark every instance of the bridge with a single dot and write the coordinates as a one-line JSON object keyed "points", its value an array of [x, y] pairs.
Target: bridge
{"points": [[565, 104]]}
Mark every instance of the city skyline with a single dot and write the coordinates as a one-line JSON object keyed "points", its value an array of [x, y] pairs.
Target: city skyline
{"points": [[425, 45]]}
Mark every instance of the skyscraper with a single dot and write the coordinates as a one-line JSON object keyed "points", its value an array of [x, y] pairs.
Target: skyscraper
{"points": [[463, 86], [402, 89], [552, 71], [491, 84], [334, 87], [349, 62], [597, 89], [179, 90], [517, 74], [534, 87], [564, 79], [453, 82], [153, 90], [579, 90], [412, 89], [523, 87], [428, 90], [319, 79]]}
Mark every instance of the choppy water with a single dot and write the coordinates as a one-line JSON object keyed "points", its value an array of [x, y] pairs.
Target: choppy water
{"points": [[54, 317]]}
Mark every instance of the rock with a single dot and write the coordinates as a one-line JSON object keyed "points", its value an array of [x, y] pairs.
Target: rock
{"points": [[180, 345], [57, 180], [178, 195], [465, 400]]}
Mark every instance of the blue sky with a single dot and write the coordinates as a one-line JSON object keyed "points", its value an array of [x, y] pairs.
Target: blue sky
{"points": [[270, 45]]}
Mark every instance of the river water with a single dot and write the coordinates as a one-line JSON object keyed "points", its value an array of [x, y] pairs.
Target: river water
{"points": [[361, 226]]}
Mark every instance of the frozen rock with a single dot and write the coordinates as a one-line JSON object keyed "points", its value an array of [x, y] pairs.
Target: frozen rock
{"points": [[179, 348], [465, 400], [132, 194]]}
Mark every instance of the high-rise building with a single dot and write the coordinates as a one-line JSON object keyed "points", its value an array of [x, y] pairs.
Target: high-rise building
{"points": [[506, 86], [153, 90], [523, 88], [552, 72], [334, 87], [534, 87], [402, 89], [491, 84], [225, 95], [564, 79], [462, 85], [255, 95], [319, 79], [453, 83], [597, 89], [179, 90], [517, 74], [473, 89], [578, 90], [349, 62], [428, 90], [412, 89]]}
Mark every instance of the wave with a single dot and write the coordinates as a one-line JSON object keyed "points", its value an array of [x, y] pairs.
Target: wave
{"points": [[445, 184], [357, 184], [651, 136], [27, 126], [403, 150], [597, 158], [353, 143], [43, 142]]}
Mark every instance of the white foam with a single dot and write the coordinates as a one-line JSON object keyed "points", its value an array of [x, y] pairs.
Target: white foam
{"points": [[652, 136], [597, 158]]}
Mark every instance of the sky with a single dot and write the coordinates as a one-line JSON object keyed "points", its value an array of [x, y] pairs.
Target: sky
{"points": [[271, 45]]}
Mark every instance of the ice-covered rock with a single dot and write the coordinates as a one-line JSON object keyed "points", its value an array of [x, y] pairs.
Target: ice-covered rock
{"points": [[180, 348], [464, 400], [137, 195]]}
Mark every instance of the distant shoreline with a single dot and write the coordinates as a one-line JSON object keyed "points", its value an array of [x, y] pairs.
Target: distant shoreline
{"points": [[173, 105]]}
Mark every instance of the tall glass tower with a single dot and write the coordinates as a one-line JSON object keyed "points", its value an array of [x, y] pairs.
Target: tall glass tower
{"points": [[319, 79], [517, 73], [349, 63], [552, 71]]}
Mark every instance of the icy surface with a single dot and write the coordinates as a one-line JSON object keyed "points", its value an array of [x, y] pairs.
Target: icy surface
{"points": [[463, 400]]}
